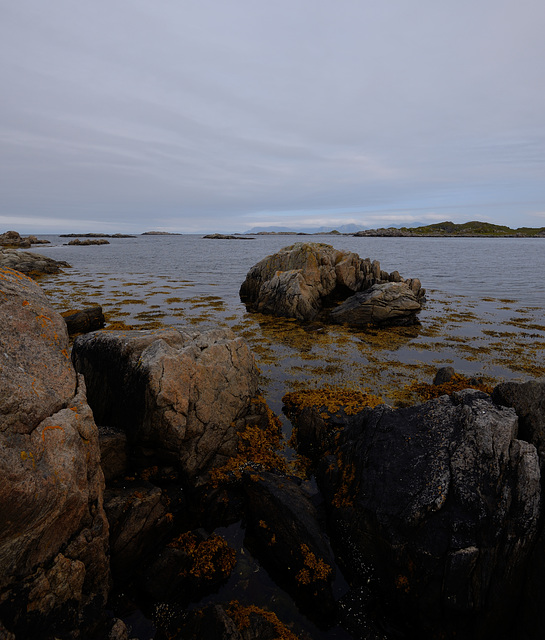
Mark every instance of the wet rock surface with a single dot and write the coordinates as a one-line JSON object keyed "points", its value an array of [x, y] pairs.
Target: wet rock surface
{"points": [[303, 280], [441, 501], [285, 531]]}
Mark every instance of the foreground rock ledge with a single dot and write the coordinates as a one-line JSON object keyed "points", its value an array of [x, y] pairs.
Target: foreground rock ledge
{"points": [[53, 529], [305, 279], [183, 395], [441, 499]]}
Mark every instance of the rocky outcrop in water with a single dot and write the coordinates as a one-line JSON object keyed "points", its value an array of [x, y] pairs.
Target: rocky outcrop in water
{"points": [[222, 236], [87, 242], [441, 500], [31, 264], [184, 396], [305, 279], [14, 240], [53, 530]]}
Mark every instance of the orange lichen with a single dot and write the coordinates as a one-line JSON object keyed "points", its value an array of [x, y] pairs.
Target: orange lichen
{"points": [[241, 617], [210, 558], [48, 428], [344, 496], [314, 568], [331, 399], [402, 583], [458, 382], [258, 447]]}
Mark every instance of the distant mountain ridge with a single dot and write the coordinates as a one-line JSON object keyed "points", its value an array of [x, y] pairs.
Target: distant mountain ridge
{"points": [[343, 228]]}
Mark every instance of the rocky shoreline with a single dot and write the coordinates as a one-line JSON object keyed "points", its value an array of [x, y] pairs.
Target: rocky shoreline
{"points": [[131, 458]]}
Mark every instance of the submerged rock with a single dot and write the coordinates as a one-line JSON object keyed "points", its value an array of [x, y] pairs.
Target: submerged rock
{"points": [[182, 396], [53, 529], [441, 499], [301, 281]]}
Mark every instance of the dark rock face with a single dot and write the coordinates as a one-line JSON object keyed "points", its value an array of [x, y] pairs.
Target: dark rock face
{"points": [[388, 303], [31, 264], [443, 500], [528, 400], [84, 320], [233, 622], [138, 519], [53, 529], [302, 280], [290, 541], [114, 458], [184, 396]]}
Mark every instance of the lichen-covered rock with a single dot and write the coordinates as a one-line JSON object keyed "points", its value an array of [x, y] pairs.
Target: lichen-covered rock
{"points": [[301, 280], [388, 303], [192, 565], [37, 376], [234, 621], [183, 395], [442, 500], [53, 530], [31, 264]]}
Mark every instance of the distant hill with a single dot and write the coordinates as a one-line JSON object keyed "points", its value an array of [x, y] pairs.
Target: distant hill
{"points": [[473, 228]]}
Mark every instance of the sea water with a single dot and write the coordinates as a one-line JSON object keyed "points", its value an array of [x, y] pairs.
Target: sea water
{"points": [[484, 312]]}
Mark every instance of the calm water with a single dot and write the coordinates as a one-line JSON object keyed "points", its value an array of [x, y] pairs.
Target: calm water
{"points": [[474, 267], [484, 315]]}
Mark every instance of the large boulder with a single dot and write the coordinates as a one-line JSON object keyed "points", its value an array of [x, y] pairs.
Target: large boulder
{"points": [[302, 280], [31, 264], [53, 530], [388, 303], [441, 499], [184, 396]]}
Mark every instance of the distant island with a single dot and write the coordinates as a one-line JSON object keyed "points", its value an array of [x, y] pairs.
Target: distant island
{"points": [[474, 229], [95, 235], [160, 233]]}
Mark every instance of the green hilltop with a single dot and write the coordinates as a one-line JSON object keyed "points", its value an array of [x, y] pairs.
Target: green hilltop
{"points": [[474, 228]]}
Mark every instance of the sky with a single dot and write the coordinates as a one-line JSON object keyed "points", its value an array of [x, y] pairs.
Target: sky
{"points": [[225, 115]]}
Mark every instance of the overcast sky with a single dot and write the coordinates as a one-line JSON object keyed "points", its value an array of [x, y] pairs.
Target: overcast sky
{"points": [[222, 115]]}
